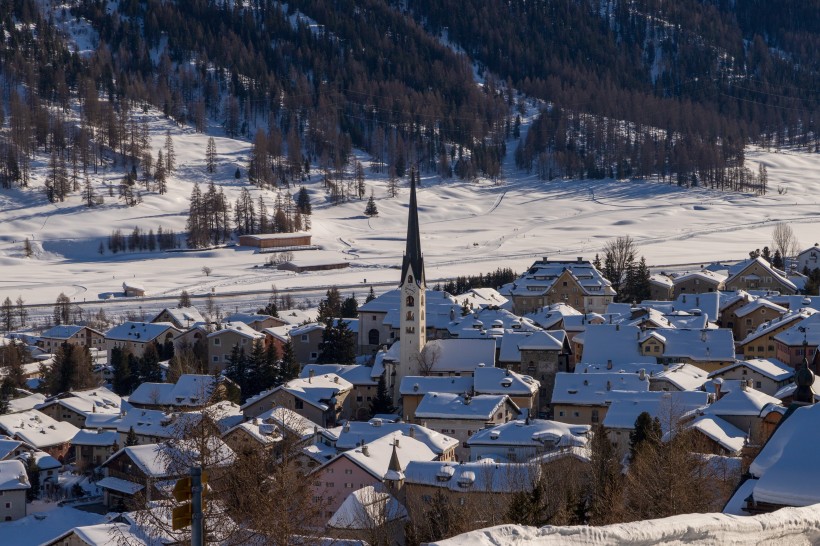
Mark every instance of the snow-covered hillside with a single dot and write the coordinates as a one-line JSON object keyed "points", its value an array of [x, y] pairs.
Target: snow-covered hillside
{"points": [[467, 227], [793, 526]]}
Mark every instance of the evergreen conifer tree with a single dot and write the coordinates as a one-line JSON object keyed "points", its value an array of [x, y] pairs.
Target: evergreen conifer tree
{"points": [[382, 402], [289, 367], [370, 209], [131, 438]]}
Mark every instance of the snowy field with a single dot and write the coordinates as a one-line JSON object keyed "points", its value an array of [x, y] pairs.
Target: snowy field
{"points": [[793, 526], [466, 227]]}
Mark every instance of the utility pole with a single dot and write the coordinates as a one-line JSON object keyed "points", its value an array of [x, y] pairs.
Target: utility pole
{"points": [[196, 506]]}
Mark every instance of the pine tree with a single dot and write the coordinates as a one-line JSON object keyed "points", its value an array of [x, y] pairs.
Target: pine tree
{"points": [[289, 367], [170, 156], [150, 370], [33, 475], [7, 315], [360, 189], [646, 430], [371, 295], [370, 209], [210, 155], [27, 250], [62, 309], [338, 344], [303, 201], [237, 368], [121, 380], [71, 370], [184, 299], [131, 438], [382, 403], [350, 307], [161, 174]]}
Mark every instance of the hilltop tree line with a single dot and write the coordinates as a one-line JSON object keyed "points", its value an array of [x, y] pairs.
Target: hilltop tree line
{"points": [[493, 279]]}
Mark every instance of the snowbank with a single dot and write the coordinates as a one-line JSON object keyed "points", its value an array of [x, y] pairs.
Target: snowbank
{"points": [[793, 526]]}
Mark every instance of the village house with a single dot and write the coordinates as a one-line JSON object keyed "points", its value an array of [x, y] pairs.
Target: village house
{"points": [[367, 465], [354, 433], [767, 375], [717, 436], [79, 336], [135, 336], [741, 406], [274, 429], [677, 377], [181, 317], [761, 343], [697, 282], [577, 283], [366, 510], [256, 321], [321, 398], [661, 287], [673, 409], [798, 341], [542, 355], [75, 406], [584, 398], [40, 431], [809, 259], [306, 340], [480, 298], [748, 318], [365, 381], [461, 416], [222, 341], [93, 447], [758, 274], [13, 487], [522, 440]]}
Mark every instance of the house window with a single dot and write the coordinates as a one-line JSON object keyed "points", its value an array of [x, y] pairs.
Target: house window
{"points": [[304, 338], [217, 341], [758, 384], [348, 486], [560, 414], [348, 471], [594, 416], [314, 355], [8, 505], [216, 358], [299, 404], [373, 336], [576, 414]]}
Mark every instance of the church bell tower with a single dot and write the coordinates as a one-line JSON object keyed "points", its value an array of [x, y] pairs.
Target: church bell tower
{"points": [[412, 287]]}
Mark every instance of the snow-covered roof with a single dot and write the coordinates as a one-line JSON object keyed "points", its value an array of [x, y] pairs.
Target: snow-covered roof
{"points": [[668, 407], [807, 329], [605, 342], [421, 385], [37, 428], [238, 328], [776, 323], [596, 389], [184, 316], [7, 446], [365, 509], [95, 438], [120, 485], [685, 377], [785, 465], [485, 475], [541, 341], [392, 300], [98, 400], [13, 476], [290, 421], [481, 297], [547, 317], [16, 405], [461, 355], [189, 390], [353, 433], [724, 433], [500, 381], [742, 401], [661, 279], [768, 367], [168, 460], [758, 304], [247, 318], [435, 405], [543, 273], [779, 275], [703, 274], [140, 332], [147, 422], [318, 391], [708, 303], [489, 319], [374, 457], [357, 374], [64, 331], [535, 432]]}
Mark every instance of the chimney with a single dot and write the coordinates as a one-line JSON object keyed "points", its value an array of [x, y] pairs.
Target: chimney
{"points": [[642, 374], [749, 383], [411, 432], [744, 386], [580, 259], [609, 385], [311, 373], [396, 441], [609, 364], [545, 259], [718, 382], [365, 450]]}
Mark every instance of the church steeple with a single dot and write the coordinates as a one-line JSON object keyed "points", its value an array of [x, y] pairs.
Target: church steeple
{"points": [[413, 262]]}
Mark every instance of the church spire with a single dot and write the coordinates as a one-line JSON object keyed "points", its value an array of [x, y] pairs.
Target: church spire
{"points": [[413, 263]]}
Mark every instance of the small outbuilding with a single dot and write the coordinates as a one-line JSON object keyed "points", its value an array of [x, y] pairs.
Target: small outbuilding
{"points": [[284, 241]]}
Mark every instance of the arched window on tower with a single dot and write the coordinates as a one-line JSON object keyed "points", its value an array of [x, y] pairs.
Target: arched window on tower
{"points": [[410, 301], [373, 337], [410, 278], [410, 315]]}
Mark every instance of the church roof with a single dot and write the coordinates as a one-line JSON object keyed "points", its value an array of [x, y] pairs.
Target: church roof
{"points": [[413, 260]]}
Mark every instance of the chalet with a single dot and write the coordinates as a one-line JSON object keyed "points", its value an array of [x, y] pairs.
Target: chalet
{"points": [[718, 437], [677, 377], [742, 408], [270, 429], [40, 431], [181, 317], [47, 466], [523, 440], [809, 259], [758, 274], [133, 289], [80, 336], [798, 341], [75, 406], [697, 282], [366, 509], [13, 487], [761, 342], [460, 416], [767, 375], [135, 336], [480, 298], [323, 399], [576, 283]]}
